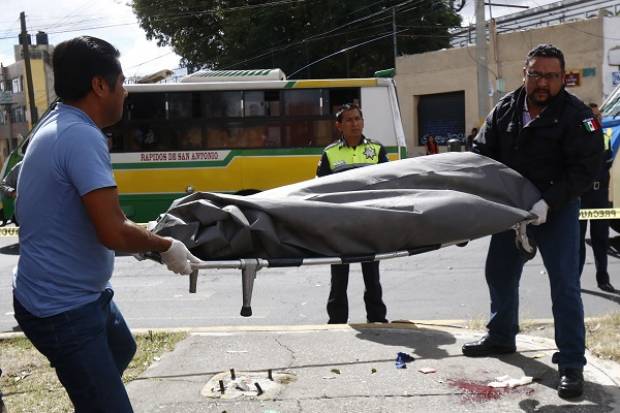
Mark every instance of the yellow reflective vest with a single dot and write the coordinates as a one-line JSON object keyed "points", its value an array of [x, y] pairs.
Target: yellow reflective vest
{"points": [[339, 156]]}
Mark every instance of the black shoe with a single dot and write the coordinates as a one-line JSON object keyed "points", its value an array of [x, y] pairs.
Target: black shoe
{"points": [[382, 320], [607, 287], [484, 347], [571, 383]]}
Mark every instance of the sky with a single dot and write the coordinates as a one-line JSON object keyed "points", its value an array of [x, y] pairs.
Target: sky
{"points": [[114, 21]]}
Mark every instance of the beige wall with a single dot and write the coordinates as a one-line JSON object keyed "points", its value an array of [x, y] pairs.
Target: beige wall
{"points": [[453, 70]]}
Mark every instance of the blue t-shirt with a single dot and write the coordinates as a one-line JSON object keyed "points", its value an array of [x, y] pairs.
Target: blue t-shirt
{"points": [[62, 264]]}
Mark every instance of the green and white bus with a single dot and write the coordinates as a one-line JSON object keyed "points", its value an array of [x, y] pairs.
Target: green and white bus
{"points": [[236, 132]]}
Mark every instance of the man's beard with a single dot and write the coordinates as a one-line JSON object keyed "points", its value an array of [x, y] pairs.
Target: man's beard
{"points": [[541, 103]]}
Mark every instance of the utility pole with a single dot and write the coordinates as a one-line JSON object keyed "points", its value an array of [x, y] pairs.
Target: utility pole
{"points": [[23, 40], [481, 59], [394, 35], [499, 82]]}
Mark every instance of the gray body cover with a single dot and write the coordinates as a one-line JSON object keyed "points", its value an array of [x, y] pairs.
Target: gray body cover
{"points": [[394, 206]]}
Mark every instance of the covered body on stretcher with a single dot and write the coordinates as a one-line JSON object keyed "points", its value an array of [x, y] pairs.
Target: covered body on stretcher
{"points": [[382, 211]]}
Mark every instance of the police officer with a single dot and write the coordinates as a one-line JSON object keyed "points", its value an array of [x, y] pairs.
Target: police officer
{"points": [[598, 197], [551, 138], [352, 150]]}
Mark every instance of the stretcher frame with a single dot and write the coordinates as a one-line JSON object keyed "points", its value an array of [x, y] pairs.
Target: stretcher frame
{"points": [[251, 266]]}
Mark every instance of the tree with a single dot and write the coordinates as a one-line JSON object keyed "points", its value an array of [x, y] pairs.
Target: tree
{"points": [[292, 34]]}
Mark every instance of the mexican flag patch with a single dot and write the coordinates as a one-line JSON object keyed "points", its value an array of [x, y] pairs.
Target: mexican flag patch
{"points": [[591, 124]]}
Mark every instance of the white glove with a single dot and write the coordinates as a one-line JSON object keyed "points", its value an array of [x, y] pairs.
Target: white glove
{"points": [[177, 258], [540, 209]]}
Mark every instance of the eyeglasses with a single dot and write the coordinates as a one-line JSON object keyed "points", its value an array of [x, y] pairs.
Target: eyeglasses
{"points": [[547, 76]]}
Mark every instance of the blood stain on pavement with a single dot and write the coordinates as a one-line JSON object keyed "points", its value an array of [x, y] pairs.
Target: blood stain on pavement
{"points": [[480, 392]]}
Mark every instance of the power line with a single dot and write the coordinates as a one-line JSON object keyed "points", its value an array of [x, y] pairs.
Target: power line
{"points": [[317, 36], [346, 49]]}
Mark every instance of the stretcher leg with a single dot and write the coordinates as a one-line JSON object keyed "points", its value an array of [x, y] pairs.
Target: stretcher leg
{"points": [[193, 281], [248, 274]]}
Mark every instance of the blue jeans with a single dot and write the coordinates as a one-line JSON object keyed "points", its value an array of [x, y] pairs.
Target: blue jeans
{"points": [[558, 243], [89, 347]]}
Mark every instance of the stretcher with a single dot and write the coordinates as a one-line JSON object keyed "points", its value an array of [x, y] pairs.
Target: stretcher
{"points": [[251, 266], [378, 212]]}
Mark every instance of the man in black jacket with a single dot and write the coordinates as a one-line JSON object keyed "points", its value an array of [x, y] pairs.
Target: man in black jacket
{"points": [[551, 138]]}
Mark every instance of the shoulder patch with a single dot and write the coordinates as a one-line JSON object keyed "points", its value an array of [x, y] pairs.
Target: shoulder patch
{"points": [[591, 124]]}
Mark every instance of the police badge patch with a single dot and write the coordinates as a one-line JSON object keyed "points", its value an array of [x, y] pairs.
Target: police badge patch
{"points": [[591, 124], [370, 152]]}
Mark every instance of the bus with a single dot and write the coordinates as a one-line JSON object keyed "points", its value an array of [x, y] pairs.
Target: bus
{"points": [[236, 132]]}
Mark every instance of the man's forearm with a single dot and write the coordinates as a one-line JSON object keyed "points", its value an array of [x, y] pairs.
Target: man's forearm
{"points": [[134, 238]]}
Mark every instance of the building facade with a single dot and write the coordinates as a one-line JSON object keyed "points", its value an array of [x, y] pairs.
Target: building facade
{"points": [[15, 118], [438, 90]]}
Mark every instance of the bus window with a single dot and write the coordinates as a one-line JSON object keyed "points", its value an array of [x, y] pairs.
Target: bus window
{"points": [[222, 104], [252, 137], [303, 133], [261, 103], [325, 132], [218, 137], [145, 106], [254, 104], [183, 105], [191, 138], [305, 102], [273, 137], [340, 96]]}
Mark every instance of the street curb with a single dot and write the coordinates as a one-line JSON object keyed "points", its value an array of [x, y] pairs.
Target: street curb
{"points": [[394, 324], [608, 368]]}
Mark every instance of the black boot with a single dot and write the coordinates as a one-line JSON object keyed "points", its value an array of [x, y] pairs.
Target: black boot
{"points": [[571, 383], [484, 348]]}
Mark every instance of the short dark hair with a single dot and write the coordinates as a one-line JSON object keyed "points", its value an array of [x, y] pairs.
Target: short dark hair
{"points": [[78, 60], [345, 108], [546, 50], [592, 105]]}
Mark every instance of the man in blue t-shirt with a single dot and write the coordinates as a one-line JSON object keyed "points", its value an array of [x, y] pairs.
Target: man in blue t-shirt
{"points": [[71, 224]]}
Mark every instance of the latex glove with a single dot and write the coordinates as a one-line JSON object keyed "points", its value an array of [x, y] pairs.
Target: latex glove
{"points": [[540, 209], [177, 258]]}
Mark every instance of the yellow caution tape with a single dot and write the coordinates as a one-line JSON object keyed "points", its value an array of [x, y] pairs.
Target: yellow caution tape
{"points": [[584, 214], [14, 231], [9, 231], [602, 213]]}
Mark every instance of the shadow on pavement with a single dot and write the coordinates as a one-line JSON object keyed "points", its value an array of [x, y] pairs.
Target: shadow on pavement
{"points": [[425, 343], [599, 396], [615, 297]]}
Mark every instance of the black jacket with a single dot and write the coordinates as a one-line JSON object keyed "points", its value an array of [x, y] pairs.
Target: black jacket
{"points": [[556, 152]]}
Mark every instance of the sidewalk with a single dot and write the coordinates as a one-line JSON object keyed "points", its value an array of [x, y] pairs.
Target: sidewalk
{"points": [[352, 369]]}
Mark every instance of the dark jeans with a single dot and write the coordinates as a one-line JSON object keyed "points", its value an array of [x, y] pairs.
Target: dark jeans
{"points": [[599, 234], [558, 244], [338, 305], [89, 347]]}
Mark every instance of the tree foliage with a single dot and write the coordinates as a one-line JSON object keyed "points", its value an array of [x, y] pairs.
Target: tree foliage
{"points": [[342, 38]]}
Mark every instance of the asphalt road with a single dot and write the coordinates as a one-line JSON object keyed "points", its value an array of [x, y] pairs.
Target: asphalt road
{"points": [[444, 284]]}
